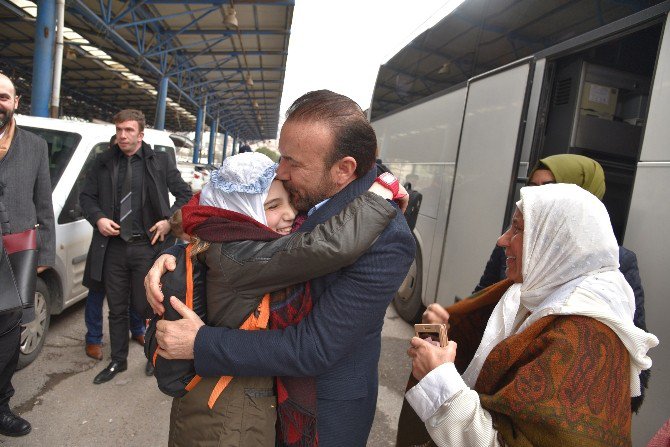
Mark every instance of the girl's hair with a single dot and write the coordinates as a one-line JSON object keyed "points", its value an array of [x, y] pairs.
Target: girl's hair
{"points": [[176, 225], [198, 246]]}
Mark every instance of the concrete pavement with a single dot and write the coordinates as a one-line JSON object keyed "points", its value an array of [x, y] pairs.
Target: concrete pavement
{"points": [[57, 395]]}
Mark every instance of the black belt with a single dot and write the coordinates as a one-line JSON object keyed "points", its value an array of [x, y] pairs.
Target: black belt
{"points": [[141, 237]]}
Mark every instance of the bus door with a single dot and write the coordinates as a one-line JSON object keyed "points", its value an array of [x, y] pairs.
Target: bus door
{"points": [[486, 172], [648, 236]]}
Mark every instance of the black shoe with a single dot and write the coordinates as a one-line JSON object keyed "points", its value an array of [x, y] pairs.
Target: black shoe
{"points": [[13, 425], [108, 373], [149, 369]]}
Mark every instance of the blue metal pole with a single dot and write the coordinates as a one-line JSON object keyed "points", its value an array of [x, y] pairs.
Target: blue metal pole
{"points": [[198, 134], [225, 145], [212, 140], [43, 59], [161, 101]]}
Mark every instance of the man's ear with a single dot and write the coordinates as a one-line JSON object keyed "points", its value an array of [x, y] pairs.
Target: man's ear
{"points": [[344, 171]]}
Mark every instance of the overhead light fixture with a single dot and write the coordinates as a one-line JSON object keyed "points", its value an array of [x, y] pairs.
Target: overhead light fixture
{"points": [[445, 68], [249, 80], [230, 17]]}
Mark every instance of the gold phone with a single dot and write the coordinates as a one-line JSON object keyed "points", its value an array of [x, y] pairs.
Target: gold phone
{"points": [[437, 332]]}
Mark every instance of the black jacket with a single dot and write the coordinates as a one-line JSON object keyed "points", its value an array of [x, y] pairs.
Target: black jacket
{"points": [[98, 197]]}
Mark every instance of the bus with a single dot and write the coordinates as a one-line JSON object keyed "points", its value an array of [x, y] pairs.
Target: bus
{"points": [[466, 108]]}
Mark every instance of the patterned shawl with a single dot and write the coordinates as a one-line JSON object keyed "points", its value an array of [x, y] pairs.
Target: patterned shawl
{"points": [[563, 382]]}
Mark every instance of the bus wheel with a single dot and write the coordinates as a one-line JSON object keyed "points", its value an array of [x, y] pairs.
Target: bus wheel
{"points": [[407, 299], [34, 333]]}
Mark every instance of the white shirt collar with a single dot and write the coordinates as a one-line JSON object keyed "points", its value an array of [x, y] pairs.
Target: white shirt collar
{"points": [[317, 206]]}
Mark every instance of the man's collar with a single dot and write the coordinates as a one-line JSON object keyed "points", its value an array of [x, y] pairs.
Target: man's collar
{"points": [[139, 152], [317, 206]]}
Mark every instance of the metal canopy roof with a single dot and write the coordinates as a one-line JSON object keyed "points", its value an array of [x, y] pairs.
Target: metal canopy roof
{"points": [[481, 35], [116, 52]]}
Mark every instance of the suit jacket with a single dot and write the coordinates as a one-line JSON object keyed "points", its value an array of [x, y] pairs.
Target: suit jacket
{"points": [[25, 189], [98, 197], [338, 343]]}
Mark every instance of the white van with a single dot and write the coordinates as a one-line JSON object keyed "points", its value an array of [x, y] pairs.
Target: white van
{"points": [[72, 147]]}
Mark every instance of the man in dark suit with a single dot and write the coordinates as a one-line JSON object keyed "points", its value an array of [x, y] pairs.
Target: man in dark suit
{"points": [[125, 198], [25, 190], [328, 151]]}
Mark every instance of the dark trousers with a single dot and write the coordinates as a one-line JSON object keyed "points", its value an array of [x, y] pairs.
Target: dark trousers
{"points": [[126, 265], [10, 339], [93, 318]]}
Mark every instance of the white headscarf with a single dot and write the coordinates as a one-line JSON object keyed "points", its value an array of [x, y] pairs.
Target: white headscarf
{"points": [[241, 184], [570, 267]]}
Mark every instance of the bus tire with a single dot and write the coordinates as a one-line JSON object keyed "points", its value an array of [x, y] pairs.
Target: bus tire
{"points": [[34, 333], [407, 300]]}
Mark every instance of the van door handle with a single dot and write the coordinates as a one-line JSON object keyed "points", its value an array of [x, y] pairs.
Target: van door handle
{"points": [[79, 259]]}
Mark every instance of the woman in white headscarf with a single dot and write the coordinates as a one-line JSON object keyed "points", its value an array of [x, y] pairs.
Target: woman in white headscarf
{"points": [[552, 354]]}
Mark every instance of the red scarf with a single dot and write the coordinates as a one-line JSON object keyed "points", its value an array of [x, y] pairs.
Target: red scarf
{"points": [[296, 396]]}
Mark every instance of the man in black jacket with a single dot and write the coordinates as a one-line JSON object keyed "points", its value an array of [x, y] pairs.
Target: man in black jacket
{"points": [[126, 200]]}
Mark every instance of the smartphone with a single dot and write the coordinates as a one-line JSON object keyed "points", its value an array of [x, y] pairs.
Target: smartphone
{"points": [[436, 332]]}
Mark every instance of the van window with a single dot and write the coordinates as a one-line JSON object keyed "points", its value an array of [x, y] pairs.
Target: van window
{"points": [[168, 149], [71, 209], [61, 147]]}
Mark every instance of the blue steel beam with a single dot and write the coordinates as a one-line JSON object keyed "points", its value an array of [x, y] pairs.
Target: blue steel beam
{"points": [[223, 2], [93, 18], [143, 22], [161, 100], [199, 127], [241, 69], [189, 57], [132, 6], [115, 25], [244, 32], [225, 144], [43, 58], [198, 134], [184, 67], [212, 140], [171, 35], [212, 81], [153, 51]]}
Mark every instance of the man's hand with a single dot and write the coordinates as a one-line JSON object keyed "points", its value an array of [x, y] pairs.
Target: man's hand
{"points": [[426, 356], [403, 200], [177, 338], [107, 227], [160, 230], [152, 282], [435, 314], [41, 268]]}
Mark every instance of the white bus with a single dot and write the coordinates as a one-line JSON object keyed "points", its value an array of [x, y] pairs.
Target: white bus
{"points": [[468, 106]]}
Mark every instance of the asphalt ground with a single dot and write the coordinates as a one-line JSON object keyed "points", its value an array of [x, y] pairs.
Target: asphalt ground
{"points": [[57, 396]]}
